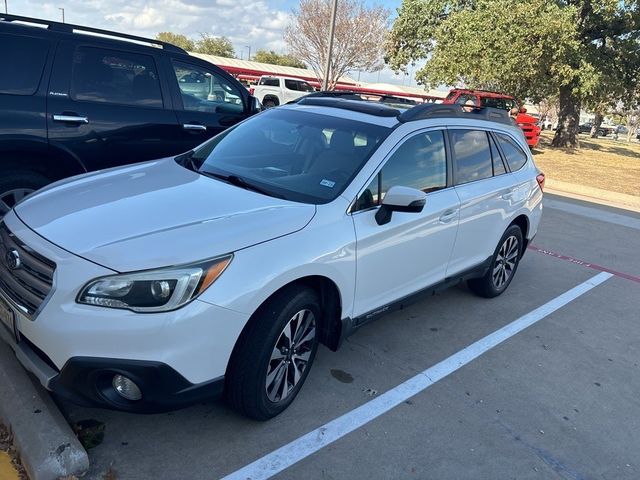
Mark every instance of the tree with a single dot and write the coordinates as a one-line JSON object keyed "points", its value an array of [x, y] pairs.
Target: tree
{"points": [[218, 46], [530, 48], [273, 58], [358, 42], [177, 39]]}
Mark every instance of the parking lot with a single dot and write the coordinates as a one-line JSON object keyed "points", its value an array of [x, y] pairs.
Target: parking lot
{"points": [[556, 400]]}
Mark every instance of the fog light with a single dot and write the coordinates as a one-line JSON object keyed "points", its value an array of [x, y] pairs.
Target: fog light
{"points": [[126, 388]]}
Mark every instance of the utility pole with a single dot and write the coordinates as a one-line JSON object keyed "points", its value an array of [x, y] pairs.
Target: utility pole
{"points": [[249, 47], [62, 10], [6, 9], [332, 29]]}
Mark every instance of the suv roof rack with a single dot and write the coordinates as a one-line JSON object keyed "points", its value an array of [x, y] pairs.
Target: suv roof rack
{"points": [[439, 110], [71, 28], [353, 104]]}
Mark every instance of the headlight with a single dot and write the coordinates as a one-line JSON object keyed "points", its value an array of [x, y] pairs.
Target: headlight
{"points": [[154, 290]]}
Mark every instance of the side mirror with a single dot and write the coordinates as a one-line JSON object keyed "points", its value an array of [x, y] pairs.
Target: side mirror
{"points": [[256, 106], [400, 199]]}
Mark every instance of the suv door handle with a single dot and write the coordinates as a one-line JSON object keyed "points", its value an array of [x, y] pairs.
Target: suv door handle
{"points": [[449, 215], [194, 126], [70, 118]]}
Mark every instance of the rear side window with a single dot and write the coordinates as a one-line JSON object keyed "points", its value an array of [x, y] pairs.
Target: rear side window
{"points": [[515, 157], [22, 60], [291, 85], [269, 82], [473, 155], [501, 103], [498, 164], [109, 76]]}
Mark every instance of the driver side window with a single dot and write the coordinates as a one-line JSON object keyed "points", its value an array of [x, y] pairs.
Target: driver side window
{"points": [[420, 162], [205, 91]]}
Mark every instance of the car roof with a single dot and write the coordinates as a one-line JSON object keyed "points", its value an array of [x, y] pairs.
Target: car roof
{"points": [[46, 28]]}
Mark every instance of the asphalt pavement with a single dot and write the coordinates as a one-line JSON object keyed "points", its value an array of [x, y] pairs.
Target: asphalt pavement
{"points": [[556, 399]]}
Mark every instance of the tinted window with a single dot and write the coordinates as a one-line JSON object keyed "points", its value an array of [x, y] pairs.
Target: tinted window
{"points": [[420, 163], [22, 60], [291, 84], [516, 158], [473, 155], [301, 156], [464, 98], [305, 87], [270, 82], [101, 75], [501, 103], [498, 165], [206, 91]]}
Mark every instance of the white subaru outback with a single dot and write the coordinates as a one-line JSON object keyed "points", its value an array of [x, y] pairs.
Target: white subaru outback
{"points": [[156, 285]]}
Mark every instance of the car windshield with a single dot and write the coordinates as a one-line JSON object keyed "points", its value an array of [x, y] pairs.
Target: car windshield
{"points": [[300, 156]]}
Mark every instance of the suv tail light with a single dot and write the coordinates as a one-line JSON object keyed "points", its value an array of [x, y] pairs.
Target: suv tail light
{"points": [[540, 179]]}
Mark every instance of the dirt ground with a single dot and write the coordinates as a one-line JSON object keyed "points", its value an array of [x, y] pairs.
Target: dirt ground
{"points": [[601, 163], [15, 469]]}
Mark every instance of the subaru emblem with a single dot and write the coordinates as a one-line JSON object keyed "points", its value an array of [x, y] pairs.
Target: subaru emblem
{"points": [[12, 259]]}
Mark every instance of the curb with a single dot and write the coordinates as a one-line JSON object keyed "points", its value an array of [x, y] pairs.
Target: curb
{"points": [[591, 194], [47, 446]]}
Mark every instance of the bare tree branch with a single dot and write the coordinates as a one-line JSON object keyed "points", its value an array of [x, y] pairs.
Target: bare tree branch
{"points": [[359, 36]]}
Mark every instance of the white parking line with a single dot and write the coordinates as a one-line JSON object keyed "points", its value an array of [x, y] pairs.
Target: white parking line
{"points": [[302, 447], [594, 213]]}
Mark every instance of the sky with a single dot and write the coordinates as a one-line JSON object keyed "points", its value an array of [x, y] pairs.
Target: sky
{"points": [[259, 23]]}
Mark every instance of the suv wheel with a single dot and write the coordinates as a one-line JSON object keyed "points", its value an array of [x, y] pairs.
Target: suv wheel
{"points": [[503, 265], [270, 103], [17, 185], [273, 357]]}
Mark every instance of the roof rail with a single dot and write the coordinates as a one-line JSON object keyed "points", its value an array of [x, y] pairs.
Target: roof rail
{"points": [[439, 110], [371, 108], [348, 94], [71, 28]]}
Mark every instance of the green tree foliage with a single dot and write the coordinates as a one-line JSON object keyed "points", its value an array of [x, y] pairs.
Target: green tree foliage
{"points": [[585, 52], [269, 56], [219, 46], [177, 40]]}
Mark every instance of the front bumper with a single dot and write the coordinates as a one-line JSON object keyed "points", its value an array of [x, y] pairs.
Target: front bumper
{"points": [[176, 358]]}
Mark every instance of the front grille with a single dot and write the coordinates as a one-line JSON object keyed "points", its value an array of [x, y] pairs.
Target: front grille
{"points": [[29, 284]]}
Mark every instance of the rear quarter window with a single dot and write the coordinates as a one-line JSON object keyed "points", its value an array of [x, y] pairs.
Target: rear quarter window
{"points": [[22, 61], [472, 155], [514, 155]]}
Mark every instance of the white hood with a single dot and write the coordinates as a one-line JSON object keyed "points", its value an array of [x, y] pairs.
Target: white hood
{"points": [[156, 214]]}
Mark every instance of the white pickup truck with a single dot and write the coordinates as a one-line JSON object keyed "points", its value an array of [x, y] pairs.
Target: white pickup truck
{"points": [[274, 91]]}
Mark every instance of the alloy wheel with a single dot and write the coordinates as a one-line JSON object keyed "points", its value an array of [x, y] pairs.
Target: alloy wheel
{"points": [[290, 356], [505, 262]]}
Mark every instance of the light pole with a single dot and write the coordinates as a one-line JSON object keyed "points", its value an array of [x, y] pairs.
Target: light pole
{"points": [[62, 10], [332, 29], [249, 47], [6, 9]]}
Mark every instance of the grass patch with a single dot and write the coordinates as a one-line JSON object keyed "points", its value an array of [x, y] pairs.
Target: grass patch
{"points": [[600, 163]]}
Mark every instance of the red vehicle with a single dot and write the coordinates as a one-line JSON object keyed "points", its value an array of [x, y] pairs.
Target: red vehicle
{"points": [[483, 98]]}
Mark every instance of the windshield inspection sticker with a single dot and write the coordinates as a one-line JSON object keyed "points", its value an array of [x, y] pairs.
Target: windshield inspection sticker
{"points": [[327, 183]]}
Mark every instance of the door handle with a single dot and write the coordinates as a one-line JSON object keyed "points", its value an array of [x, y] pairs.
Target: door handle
{"points": [[194, 126], [447, 216], [70, 118]]}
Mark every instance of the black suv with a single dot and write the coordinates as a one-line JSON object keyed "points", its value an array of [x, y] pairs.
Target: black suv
{"points": [[75, 99]]}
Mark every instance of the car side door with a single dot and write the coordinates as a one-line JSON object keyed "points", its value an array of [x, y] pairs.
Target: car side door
{"points": [[108, 107], [411, 251], [484, 188], [206, 99]]}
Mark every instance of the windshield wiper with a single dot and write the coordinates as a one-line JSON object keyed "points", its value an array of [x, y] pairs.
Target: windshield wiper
{"points": [[187, 160], [242, 183]]}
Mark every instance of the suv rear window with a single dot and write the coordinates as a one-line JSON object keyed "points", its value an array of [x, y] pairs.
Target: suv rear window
{"points": [[110, 76], [22, 60], [514, 155], [472, 155]]}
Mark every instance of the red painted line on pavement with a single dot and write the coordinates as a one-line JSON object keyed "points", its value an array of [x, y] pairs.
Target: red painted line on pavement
{"points": [[582, 263]]}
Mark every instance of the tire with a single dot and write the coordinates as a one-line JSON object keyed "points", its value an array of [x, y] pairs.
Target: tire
{"points": [[14, 186], [502, 270], [263, 365], [270, 103]]}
